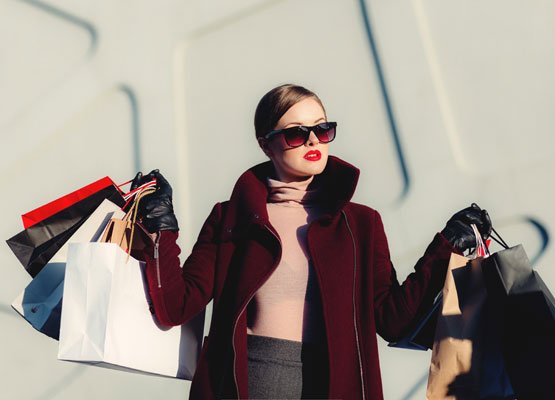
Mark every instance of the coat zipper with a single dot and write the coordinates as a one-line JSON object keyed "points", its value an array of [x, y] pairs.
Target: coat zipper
{"points": [[156, 254], [245, 305], [156, 243], [157, 258], [354, 305]]}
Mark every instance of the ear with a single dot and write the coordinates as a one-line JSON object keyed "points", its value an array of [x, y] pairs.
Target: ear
{"points": [[263, 143]]}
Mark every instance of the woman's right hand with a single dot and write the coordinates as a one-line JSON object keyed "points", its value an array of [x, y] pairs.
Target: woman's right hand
{"points": [[459, 232], [156, 209]]}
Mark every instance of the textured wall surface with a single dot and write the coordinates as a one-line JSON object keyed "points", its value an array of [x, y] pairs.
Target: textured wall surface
{"points": [[438, 103]]}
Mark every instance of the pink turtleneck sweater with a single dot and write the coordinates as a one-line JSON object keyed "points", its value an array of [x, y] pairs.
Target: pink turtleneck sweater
{"points": [[287, 305]]}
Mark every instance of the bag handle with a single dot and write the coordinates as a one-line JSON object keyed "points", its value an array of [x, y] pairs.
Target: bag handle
{"points": [[131, 215], [481, 249], [137, 190], [499, 239], [130, 218]]}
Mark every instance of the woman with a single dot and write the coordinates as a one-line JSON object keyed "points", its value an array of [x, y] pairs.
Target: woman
{"points": [[300, 276]]}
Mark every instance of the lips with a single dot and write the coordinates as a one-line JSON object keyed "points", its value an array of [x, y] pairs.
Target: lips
{"points": [[312, 155]]}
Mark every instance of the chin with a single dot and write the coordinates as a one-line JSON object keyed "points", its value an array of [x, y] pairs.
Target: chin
{"points": [[315, 169]]}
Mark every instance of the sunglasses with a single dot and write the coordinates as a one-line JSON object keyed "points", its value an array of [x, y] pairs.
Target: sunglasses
{"points": [[298, 135]]}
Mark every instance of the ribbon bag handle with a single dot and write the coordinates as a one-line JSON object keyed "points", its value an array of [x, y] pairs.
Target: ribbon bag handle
{"points": [[481, 249], [116, 229], [497, 239], [130, 195], [131, 216]]}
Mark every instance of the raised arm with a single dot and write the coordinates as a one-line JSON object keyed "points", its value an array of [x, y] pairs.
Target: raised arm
{"points": [[397, 307], [178, 294]]}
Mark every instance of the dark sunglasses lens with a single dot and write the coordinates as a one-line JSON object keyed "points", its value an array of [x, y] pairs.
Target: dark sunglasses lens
{"points": [[325, 132], [295, 137]]}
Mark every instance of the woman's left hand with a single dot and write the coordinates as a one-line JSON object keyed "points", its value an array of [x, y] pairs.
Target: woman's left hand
{"points": [[459, 232], [156, 210]]}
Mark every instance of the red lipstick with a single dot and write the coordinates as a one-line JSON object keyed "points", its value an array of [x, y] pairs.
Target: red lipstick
{"points": [[312, 155]]}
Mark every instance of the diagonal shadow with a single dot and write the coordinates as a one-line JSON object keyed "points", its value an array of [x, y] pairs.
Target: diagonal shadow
{"points": [[544, 235], [70, 18], [386, 99]]}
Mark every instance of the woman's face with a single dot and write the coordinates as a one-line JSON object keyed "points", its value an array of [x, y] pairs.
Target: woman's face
{"points": [[299, 163]]}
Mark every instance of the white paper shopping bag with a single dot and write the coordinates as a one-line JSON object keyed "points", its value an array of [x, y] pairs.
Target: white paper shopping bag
{"points": [[106, 317], [40, 303]]}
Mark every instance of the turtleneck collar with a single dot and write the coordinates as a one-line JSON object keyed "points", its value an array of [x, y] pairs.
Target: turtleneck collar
{"points": [[250, 193], [292, 193]]}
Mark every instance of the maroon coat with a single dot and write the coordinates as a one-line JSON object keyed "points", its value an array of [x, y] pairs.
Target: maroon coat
{"points": [[238, 249]]}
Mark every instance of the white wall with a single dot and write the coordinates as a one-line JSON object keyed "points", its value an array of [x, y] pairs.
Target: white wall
{"points": [[454, 105]]}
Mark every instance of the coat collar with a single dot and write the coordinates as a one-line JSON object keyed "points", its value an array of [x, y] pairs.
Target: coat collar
{"points": [[339, 180]]}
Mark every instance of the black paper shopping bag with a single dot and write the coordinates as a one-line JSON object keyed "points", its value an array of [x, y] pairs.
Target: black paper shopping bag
{"points": [[37, 244], [526, 309]]}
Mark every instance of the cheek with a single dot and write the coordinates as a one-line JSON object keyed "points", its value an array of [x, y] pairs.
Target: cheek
{"points": [[293, 156], [279, 156]]}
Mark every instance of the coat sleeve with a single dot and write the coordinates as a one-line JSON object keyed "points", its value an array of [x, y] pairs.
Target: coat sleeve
{"points": [[397, 307], [178, 294]]}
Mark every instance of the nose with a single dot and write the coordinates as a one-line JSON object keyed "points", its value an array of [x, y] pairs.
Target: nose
{"points": [[312, 139]]}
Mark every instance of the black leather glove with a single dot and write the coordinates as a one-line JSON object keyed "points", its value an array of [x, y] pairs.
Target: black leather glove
{"points": [[459, 232], [156, 209]]}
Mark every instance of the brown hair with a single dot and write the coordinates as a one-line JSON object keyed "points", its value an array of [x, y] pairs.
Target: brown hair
{"points": [[275, 103]]}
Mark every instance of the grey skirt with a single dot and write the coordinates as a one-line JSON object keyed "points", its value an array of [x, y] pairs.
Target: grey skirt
{"points": [[286, 369]]}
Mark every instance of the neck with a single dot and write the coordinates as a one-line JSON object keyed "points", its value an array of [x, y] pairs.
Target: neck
{"points": [[294, 191]]}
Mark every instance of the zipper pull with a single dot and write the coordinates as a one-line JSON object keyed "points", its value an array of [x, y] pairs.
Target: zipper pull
{"points": [[156, 245]]}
